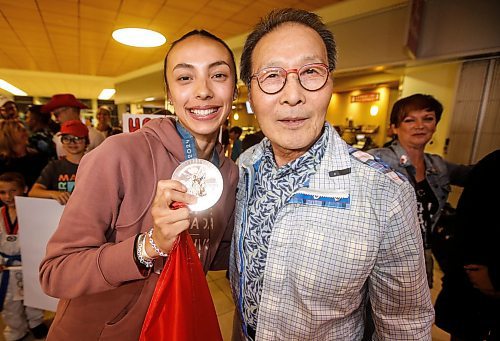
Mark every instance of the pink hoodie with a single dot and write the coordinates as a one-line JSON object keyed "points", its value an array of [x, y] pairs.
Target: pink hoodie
{"points": [[89, 262]]}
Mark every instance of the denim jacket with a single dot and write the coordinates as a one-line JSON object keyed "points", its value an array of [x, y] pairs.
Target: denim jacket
{"points": [[439, 173]]}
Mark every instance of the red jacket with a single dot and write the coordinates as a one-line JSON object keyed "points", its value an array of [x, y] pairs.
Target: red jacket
{"points": [[89, 262]]}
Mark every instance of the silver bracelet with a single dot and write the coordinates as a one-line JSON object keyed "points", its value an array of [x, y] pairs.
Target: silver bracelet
{"points": [[153, 244], [142, 255]]}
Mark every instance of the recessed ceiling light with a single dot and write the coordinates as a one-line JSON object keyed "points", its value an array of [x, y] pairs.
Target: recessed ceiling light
{"points": [[106, 93], [149, 99], [139, 37]]}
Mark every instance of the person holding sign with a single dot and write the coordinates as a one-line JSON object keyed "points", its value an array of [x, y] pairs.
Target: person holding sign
{"points": [[18, 318], [124, 215]]}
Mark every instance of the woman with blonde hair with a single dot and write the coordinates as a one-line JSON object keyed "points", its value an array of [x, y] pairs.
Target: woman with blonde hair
{"points": [[15, 155]]}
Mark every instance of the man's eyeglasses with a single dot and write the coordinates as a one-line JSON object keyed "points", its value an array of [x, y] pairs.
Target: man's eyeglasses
{"points": [[312, 77], [67, 139]]}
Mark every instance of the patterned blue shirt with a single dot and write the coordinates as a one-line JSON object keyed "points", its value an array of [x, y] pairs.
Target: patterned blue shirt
{"points": [[349, 233], [273, 188]]}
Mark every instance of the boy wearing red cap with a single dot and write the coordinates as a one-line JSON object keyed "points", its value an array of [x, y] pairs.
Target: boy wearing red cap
{"points": [[66, 107], [57, 179]]}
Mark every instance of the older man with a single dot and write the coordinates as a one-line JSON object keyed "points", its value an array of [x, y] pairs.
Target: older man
{"points": [[320, 227], [66, 107]]}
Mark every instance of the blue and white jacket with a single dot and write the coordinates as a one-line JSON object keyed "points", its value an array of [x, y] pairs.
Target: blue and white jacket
{"points": [[352, 233]]}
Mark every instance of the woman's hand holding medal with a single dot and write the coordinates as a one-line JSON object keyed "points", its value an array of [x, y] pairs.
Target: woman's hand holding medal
{"points": [[169, 217]]}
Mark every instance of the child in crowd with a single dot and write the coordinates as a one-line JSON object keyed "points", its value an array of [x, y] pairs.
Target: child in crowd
{"points": [[16, 316], [57, 179]]}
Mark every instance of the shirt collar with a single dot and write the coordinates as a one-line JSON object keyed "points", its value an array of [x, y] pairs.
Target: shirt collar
{"points": [[313, 155]]}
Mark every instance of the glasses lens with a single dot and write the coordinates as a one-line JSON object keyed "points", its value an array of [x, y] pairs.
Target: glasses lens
{"points": [[70, 139], [313, 76], [271, 80]]}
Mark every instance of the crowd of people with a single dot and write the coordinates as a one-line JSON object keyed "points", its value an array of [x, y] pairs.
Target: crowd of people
{"points": [[39, 157], [322, 241]]}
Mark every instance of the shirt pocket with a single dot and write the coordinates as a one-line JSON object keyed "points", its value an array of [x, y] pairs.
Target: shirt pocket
{"points": [[329, 260]]}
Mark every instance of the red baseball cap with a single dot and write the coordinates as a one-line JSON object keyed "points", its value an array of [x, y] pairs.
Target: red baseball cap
{"points": [[75, 128], [63, 100]]}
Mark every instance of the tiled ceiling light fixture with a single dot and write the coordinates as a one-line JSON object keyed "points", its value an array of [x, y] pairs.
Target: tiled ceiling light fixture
{"points": [[139, 37], [106, 94], [11, 88]]}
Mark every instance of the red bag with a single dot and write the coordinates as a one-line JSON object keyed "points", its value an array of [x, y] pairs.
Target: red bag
{"points": [[181, 308]]}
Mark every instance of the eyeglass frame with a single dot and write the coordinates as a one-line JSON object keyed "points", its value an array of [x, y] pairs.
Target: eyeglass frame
{"points": [[287, 72], [72, 139]]}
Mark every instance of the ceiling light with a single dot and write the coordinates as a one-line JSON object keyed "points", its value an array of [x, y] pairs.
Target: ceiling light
{"points": [[139, 37], [149, 99], [106, 93], [11, 88]]}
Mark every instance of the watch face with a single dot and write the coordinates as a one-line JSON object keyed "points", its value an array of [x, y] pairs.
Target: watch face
{"points": [[202, 180]]}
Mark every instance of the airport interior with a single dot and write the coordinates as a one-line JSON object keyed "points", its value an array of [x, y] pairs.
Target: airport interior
{"points": [[387, 49]]}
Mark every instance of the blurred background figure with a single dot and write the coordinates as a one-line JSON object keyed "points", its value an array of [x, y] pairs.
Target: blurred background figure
{"points": [[41, 134], [18, 318], [413, 122], [8, 108], [57, 180], [251, 139], [224, 138], [234, 137], [468, 306], [15, 153], [104, 126]]}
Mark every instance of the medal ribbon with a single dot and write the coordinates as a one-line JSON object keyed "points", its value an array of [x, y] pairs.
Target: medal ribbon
{"points": [[190, 146]]}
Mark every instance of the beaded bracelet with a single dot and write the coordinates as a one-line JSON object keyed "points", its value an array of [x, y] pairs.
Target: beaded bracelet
{"points": [[153, 244], [141, 252]]}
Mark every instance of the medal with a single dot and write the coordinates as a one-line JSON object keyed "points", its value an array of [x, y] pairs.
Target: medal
{"points": [[202, 179]]}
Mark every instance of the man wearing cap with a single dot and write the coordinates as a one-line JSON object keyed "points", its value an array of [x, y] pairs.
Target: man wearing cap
{"points": [[57, 179], [8, 108], [66, 107]]}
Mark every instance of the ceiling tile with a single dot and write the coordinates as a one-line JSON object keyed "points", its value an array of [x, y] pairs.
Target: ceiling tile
{"points": [[111, 5], [98, 14], [62, 20], [65, 8]]}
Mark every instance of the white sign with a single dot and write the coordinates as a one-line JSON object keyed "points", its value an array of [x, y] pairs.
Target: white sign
{"points": [[38, 219], [133, 122]]}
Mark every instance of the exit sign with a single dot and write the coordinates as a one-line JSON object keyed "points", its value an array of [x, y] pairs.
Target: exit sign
{"points": [[366, 97]]}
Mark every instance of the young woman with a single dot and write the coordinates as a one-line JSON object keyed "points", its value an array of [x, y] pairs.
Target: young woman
{"points": [[124, 190]]}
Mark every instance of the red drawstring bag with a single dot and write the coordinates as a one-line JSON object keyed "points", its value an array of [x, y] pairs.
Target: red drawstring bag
{"points": [[181, 308]]}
